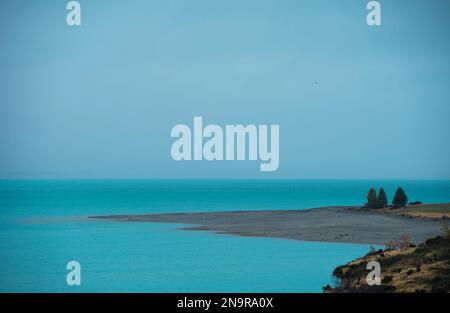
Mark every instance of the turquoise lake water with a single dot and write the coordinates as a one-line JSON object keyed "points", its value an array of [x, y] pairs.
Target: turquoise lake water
{"points": [[43, 226]]}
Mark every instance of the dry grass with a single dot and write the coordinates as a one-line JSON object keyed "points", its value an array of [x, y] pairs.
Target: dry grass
{"points": [[431, 211], [414, 269]]}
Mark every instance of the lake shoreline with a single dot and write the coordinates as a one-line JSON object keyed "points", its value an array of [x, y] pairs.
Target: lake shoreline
{"points": [[338, 224]]}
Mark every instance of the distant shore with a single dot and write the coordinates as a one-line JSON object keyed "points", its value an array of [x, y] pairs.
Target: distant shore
{"points": [[327, 224]]}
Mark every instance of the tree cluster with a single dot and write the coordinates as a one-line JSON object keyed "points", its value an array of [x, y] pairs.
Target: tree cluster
{"points": [[378, 201]]}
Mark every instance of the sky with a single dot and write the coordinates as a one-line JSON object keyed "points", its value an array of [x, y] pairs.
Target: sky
{"points": [[99, 100]]}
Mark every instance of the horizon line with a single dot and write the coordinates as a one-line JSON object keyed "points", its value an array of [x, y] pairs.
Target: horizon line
{"points": [[244, 178]]}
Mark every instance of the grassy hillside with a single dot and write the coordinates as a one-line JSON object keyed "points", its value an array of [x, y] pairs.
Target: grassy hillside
{"points": [[414, 269]]}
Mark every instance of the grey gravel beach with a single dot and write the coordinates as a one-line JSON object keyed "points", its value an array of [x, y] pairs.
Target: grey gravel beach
{"points": [[328, 224]]}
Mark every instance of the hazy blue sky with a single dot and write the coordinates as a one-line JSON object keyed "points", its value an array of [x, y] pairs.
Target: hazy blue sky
{"points": [[99, 101]]}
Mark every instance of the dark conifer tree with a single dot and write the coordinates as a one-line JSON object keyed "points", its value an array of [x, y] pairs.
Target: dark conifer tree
{"points": [[371, 199], [400, 198], [382, 200]]}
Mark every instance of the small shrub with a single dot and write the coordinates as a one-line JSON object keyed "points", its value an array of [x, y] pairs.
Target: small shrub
{"points": [[405, 241], [387, 279], [391, 245], [327, 288]]}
